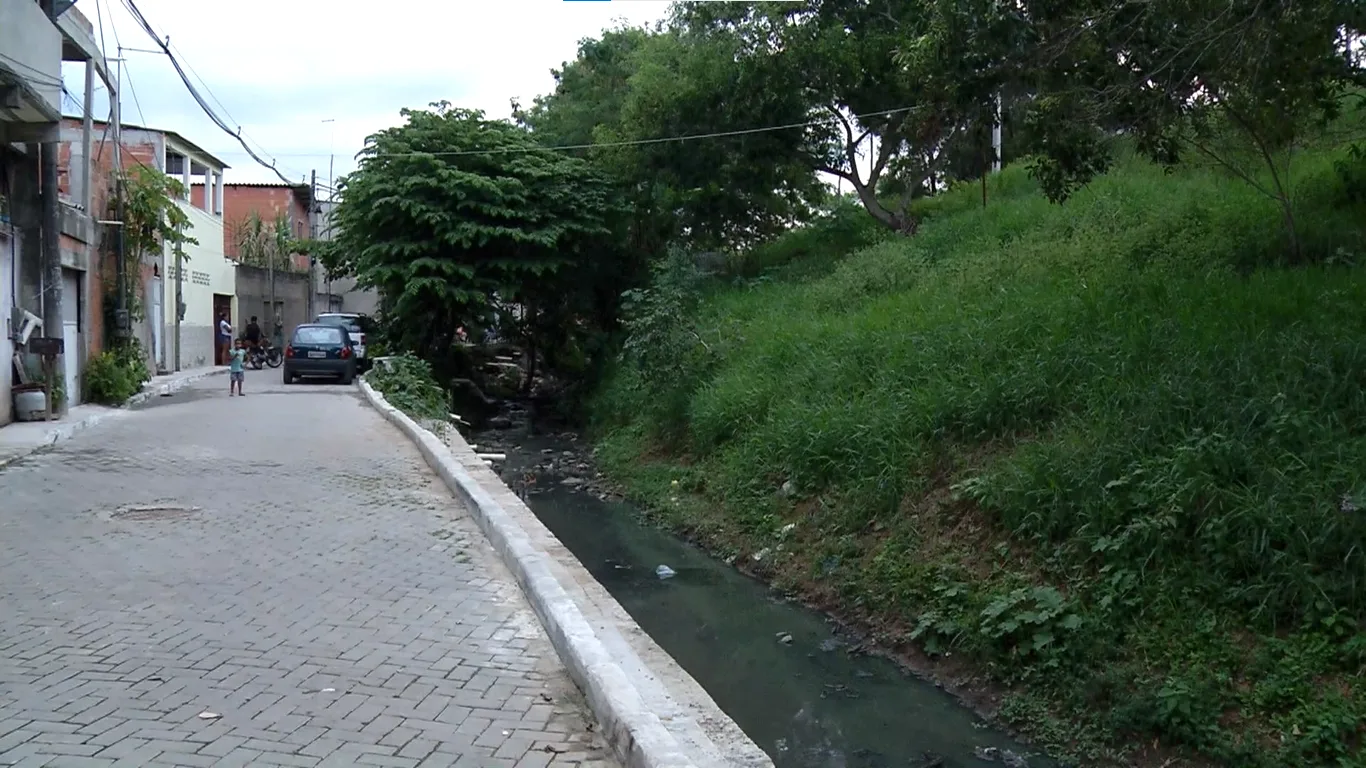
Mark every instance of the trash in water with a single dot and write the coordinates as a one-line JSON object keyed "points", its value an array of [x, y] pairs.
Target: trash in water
{"points": [[988, 754], [784, 637], [665, 572]]}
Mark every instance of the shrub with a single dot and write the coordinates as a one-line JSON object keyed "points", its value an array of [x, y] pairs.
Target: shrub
{"points": [[1131, 393], [109, 381], [408, 384]]}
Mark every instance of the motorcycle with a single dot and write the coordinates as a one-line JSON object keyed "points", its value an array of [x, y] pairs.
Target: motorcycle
{"points": [[266, 353]]}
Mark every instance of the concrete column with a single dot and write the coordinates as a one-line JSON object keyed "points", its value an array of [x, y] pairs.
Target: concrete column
{"points": [[185, 177], [51, 247], [221, 207], [87, 129]]}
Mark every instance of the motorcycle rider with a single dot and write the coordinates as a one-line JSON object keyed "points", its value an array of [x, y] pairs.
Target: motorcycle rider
{"points": [[253, 334]]}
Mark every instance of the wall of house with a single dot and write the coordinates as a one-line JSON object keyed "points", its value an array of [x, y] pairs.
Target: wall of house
{"points": [[291, 298], [139, 147], [338, 295], [8, 265], [266, 200], [342, 295], [33, 51], [206, 272]]}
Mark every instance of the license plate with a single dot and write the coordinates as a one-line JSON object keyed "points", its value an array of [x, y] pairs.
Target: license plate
{"points": [[317, 354]]}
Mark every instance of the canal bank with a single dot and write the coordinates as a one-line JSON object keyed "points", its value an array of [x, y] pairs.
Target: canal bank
{"points": [[652, 713], [797, 683]]}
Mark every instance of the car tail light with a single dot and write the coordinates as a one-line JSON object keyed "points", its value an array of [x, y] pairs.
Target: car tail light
{"points": [[346, 352], [289, 351]]}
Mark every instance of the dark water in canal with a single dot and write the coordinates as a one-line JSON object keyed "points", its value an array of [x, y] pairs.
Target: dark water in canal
{"points": [[807, 701]]}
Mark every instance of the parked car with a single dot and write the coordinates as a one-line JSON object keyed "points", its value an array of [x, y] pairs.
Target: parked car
{"points": [[355, 324], [320, 349]]}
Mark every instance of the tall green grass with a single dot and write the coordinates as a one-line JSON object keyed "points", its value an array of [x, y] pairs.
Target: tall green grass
{"points": [[1130, 388]]}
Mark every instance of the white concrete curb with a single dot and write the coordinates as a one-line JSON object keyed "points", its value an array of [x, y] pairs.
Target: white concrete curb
{"points": [[636, 734], [64, 430]]}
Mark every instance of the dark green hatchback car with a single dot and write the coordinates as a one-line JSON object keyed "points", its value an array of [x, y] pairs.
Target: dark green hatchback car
{"points": [[322, 350]]}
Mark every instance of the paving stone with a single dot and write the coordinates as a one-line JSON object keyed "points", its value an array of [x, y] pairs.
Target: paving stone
{"points": [[304, 576]]}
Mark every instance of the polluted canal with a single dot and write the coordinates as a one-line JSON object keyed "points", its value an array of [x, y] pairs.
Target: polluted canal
{"points": [[785, 674]]}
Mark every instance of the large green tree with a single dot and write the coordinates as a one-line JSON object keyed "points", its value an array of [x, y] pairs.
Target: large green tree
{"points": [[452, 216], [672, 118], [1239, 83], [897, 82]]}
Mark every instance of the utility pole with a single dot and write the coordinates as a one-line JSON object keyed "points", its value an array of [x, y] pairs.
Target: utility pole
{"points": [[121, 324], [51, 296], [996, 137], [179, 301], [331, 151], [313, 209], [274, 315]]}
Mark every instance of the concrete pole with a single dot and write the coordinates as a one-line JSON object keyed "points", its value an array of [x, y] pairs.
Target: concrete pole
{"points": [[51, 241], [87, 134], [996, 138], [179, 277], [313, 235], [50, 298], [274, 316], [121, 324]]}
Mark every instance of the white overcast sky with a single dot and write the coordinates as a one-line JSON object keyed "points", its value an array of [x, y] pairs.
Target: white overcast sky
{"points": [[280, 68]]}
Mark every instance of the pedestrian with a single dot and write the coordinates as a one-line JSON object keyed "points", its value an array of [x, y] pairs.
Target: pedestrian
{"points": [[236, 373], [224, 336], [253, 333]]}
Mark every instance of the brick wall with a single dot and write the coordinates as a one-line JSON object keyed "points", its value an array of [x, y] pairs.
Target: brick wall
{"points": [[266, 200], [139, 147]]}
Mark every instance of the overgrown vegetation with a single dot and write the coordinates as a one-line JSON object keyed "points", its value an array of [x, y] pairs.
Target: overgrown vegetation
{"points": [[116, 374], [1110, 451], [1090, 423], [153, 222], [408, 384], [267, 244]]}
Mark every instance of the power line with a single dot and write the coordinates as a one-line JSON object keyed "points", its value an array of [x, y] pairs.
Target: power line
{"points": [[36, 75], [628, 143], [194, 92], [126, 78]]}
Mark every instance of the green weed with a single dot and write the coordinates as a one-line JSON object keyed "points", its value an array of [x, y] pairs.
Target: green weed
{"points": [[1142, 429]]}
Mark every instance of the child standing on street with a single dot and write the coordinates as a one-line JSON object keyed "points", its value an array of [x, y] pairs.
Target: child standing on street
{"points": [[235, 371]]}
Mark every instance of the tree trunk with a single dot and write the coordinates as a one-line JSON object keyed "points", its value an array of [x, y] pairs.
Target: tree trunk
{"points": [[1291, 229]]}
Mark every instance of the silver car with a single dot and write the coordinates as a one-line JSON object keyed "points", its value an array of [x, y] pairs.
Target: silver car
{"points": [[356, 326]]}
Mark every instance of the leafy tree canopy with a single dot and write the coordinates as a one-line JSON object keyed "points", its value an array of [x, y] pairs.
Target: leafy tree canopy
{"points": [[673, 120], [451, 213]]}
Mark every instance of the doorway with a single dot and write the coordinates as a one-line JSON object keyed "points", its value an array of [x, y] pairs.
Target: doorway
{"points": [[222, 305], [71, 335], [158, 323]]}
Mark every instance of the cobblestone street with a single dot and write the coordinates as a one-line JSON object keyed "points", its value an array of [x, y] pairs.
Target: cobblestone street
{"points": [[269, 580]]}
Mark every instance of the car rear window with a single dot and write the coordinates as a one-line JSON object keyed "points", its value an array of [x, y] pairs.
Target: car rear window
{"points": [[317, 335], [350, 324]]}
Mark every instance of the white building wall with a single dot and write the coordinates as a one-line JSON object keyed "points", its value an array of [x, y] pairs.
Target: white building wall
{"points": [[207, 272], [9, 246]]}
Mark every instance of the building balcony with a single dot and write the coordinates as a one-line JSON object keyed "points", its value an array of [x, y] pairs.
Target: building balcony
{"points": [[30, 72]]}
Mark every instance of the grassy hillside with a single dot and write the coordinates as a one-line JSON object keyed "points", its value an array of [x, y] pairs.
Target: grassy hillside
{"points": [[1112, 452]]}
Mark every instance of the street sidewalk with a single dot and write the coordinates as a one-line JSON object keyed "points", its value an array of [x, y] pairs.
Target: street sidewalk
{"points": [[21, 438]]}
